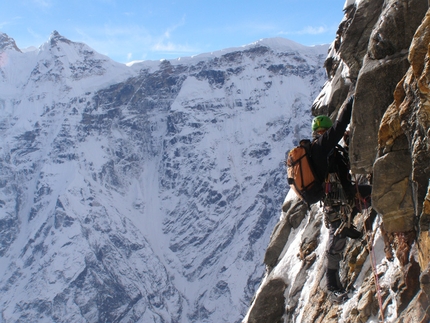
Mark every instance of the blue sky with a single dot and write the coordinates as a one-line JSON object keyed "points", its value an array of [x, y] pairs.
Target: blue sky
{"points": [[128, 30]]}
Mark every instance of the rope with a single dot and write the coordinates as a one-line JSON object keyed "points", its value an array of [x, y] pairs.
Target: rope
{"points": [[371, 251], [375, 274]]}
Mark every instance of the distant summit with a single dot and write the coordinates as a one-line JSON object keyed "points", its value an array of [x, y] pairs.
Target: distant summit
{"points": [[56, 37], [7, 43]]}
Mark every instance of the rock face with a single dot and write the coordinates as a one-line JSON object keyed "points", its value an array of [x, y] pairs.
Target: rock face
{"points": [[381, 55]]}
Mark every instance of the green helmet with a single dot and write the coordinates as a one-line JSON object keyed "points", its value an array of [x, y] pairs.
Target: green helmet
{"points": [[321, 122]]}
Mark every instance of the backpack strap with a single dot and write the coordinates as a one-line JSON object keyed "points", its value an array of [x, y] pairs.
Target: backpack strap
{"points": [[307, 144]]}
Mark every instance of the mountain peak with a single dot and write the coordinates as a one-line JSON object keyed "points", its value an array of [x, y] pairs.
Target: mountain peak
{"points": [[7, 43], [56, 37], [115, 148]]}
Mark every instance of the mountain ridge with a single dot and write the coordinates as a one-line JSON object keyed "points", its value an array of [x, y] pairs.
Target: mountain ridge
{"points": [[128, 191]]}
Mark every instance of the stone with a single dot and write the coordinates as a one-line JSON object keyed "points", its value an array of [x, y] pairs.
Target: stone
{"points": [[419, 46], [374, 93], [383, 67], [331, 100], [418, 310], [424, 235], [405, 16], [295, 213], [270, 305], [425, 281], [390, 127], [277, 242], [391, 192], [356, 36]]}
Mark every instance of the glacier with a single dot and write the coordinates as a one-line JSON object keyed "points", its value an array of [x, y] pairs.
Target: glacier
{"points": [[144, 192]]}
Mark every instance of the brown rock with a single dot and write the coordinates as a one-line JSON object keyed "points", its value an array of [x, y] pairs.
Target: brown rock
{"points": [[424, 236], [270, 305], [418, 310], [390, 127], [392, 194], [294, 213], [356, 36], [405, 16], [419, 46], [383, 67], [374, 93]]}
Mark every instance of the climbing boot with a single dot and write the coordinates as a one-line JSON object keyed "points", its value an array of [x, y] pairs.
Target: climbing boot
{"points": [[332, 280]]}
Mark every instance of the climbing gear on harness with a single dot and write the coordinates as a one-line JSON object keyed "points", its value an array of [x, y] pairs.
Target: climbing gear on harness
{"points": [[337, 207]]}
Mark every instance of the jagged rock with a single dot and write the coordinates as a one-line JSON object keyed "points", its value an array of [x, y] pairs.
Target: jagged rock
{"points": [[392, 193], [418, 311], [295, 213], [375, 85], [390, 133], [7, 43], [366, 305], [424, 237], [410, 286], [356, 35], [346, 56], [356, 255], [425, 281], [395, 28], [269, 307], [379, 76], [408, 117], [416, 117], [390, 128], [333, 94]]}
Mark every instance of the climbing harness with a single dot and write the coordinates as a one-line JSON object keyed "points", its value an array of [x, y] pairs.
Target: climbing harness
{"points": [[336, 205]]}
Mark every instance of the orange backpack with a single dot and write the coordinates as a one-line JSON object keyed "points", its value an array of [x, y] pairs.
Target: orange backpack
{"points": [[301, 174]]}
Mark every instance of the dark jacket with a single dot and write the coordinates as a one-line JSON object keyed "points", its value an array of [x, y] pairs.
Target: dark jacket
{"points": [[323, 145]]}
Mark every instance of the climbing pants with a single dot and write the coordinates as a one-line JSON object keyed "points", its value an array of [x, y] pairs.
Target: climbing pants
{"points": [[335, 246]]}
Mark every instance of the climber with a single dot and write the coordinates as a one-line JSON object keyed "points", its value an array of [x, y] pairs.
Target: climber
{"points": [[331, 161]]}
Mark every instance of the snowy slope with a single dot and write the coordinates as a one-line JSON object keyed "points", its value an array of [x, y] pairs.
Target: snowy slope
{"points": [[144, 193]]}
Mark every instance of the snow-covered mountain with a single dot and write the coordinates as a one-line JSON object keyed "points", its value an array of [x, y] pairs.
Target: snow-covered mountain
{"points": [[144, 193]]}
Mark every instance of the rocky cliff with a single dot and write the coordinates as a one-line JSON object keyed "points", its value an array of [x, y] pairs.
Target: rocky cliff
{"points": [[381, 55]]}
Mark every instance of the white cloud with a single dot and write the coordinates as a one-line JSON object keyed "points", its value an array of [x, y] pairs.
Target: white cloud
{"points": [[171, 29], [11, 21], [4, 23], [308, 30], [314, 30], [242, 28], [34, 34], [171, 47], [131, 42], [165, 45]]}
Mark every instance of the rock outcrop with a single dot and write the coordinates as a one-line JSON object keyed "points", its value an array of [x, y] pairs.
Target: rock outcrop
{"points": [[381, 54]]}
